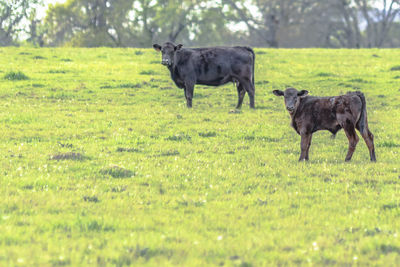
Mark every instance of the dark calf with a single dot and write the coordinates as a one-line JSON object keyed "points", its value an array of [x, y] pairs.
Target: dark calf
{"points": [[310, 114], [212, 66]]}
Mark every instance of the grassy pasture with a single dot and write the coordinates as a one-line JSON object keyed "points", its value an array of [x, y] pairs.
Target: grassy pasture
{"points": [[103, 164]]}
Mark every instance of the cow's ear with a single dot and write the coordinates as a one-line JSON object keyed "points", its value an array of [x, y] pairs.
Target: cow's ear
{"points": [[278, 92], [157, 47], [179, 46], [302, 93]]}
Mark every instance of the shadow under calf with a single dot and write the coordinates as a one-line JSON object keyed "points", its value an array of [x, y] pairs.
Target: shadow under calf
{"points": [[310, 114]]}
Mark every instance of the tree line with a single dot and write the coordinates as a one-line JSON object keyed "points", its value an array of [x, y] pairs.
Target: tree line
{"points": [[259, 23]]}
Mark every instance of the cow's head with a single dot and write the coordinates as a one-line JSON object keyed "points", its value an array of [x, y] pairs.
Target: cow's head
{"points": [[168, 51], [292, 97]]}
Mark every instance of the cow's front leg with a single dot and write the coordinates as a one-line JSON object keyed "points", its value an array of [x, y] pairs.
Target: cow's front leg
{"points": [[305, 145], [189, 88], [308, 148]]}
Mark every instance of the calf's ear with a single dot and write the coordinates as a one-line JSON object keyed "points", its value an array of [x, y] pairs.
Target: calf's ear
{"points": [[157, 47], [302, 93], [278, 92], [179, 46]]}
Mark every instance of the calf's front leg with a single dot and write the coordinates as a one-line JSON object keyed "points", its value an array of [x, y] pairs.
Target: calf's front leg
{"points": [[305, 145]]}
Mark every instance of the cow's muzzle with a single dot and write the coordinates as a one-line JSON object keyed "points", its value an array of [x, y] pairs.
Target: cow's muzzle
{"points": [[166, 62], [290, 109]]}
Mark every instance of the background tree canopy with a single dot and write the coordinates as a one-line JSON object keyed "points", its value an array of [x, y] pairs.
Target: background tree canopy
{"points": [[262, 23]]}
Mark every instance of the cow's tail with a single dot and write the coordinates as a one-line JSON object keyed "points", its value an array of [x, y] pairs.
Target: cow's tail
{"points": [[362, 122], [254, 62]]}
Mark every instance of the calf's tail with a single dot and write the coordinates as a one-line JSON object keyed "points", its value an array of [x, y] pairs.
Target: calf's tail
{"points": [[363, 124]]}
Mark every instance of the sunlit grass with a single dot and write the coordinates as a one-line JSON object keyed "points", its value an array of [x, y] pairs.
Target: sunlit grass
{"points": [[103, 164]]}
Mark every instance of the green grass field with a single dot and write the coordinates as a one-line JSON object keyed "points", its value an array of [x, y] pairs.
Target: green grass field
{"points": [[103, 164]]}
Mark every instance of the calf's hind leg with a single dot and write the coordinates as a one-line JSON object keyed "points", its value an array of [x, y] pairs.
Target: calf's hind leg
{"points": [[369, 141], [350, 131]]}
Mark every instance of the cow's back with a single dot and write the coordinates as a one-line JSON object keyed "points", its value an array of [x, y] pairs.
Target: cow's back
{"points": [[214, 65], [222, 55]]}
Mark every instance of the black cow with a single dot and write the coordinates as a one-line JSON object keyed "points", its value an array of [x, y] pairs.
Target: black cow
{"points": [[210, 66], [310, 114]]}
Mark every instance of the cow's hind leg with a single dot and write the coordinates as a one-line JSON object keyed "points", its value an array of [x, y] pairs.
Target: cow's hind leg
{"points": [[250, 90], [241, 93], [369, 141], [351, 134]]}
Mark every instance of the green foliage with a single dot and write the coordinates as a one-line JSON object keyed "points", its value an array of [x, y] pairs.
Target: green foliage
{"points": [[15, 76], [91, 38], [395, 68], [324, 74], [92, 23], [140, 179], [13, 16], [87, 23], [117, 172], [139, 23], [68, 156]]}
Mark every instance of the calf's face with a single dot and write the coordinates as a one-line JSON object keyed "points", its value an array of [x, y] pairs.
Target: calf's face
{"points": [[291, 96], [168, 51]]}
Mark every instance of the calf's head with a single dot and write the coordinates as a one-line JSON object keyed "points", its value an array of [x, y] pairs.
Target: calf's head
{"points": [[292, 98], [167, 50]]}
